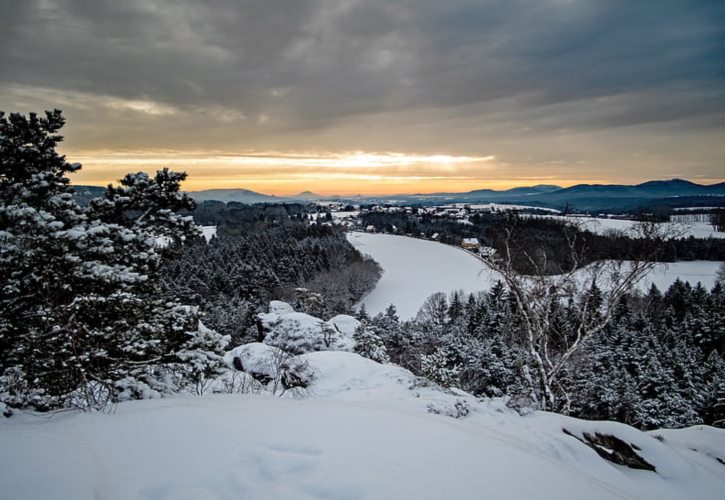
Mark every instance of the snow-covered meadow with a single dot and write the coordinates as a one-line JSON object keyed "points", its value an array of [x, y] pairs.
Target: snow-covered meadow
{"points": [[413, 269], [601, 225], [702, 271], [365, 431]]}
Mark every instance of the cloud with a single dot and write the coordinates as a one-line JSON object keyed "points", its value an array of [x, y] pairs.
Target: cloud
{"points": [[510, 78]]}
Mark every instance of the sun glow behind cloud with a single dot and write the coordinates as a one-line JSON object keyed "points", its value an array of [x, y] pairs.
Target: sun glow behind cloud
{"points": [[285, 173]]}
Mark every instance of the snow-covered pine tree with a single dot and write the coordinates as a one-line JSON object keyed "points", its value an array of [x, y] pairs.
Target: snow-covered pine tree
{"points": [[436, 367], [82, 319], [369, 344]]}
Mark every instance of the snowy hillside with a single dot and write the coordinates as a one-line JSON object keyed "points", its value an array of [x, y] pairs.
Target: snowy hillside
{"points": [[604, 226], [413, 269], [365, 431]]}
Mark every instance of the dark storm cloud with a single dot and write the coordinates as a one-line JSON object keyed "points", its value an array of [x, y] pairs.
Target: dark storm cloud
{"points": [[316, 60], [459, 76]]}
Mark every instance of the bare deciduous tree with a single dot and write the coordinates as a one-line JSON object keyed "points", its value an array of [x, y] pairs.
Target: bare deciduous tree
{"points": [[595, 289]]}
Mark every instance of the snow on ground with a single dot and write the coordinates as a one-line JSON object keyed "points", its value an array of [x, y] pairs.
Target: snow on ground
{"points": [[346, 215], [414, 269], [664, 275], [689, 209], [208, 232], [604, 225], [501, 207], [365, 431]]}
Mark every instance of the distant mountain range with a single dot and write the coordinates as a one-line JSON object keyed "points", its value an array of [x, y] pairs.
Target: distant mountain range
{"points": [[238, 195], [582, 197]]}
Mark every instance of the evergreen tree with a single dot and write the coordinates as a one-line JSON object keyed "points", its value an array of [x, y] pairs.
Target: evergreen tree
{"points": [[82, 317], [436, 367], [369, 344]]}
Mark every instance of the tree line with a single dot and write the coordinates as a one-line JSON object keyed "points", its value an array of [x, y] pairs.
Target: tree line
{"points": [[658, 363]]}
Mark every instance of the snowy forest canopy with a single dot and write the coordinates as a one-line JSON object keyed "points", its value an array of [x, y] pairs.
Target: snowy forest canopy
{"points": [[659, 363], [262, 253]]}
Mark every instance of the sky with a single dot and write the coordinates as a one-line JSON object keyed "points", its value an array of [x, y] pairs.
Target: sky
{"points": [[375, 97]]}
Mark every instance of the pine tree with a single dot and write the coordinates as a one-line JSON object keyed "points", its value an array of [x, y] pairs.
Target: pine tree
{"points": [[369, 344], [82, 318], [437, 367]]}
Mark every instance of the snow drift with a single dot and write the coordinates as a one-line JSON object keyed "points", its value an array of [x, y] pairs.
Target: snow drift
{"points": [[359, 429], [366, 430]]}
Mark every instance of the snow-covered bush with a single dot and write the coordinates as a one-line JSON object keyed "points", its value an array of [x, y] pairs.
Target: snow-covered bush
{"points": [[200, 358]]}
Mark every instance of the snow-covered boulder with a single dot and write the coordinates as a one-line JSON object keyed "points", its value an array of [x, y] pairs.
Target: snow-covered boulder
{"points": [[299, 333], [293, 332], [270, 366], [279, 307], [259, 360], [344, 324]]}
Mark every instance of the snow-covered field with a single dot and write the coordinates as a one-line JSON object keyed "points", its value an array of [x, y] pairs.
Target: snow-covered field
{"points": [[501, 207], [346, 215], [208, 232], [414, 269], [603, 226], [693, 271], [365, 431]]}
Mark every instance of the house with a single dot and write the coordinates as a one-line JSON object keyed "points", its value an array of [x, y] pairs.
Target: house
{"points": [[471, 244], [487, 251]]}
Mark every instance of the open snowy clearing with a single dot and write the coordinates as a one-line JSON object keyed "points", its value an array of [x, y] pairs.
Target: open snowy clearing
{"points": [[501, 207], [366, 431], [664, 275], [604, 226], [413, 269]]}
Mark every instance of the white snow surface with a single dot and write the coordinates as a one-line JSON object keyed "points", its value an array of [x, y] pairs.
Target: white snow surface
{"points": [[346, 215], [208, 232], [414, 269], [703, 271], [300, 332], [365, 431], [601, 225], [344, 324], [500, 207]]}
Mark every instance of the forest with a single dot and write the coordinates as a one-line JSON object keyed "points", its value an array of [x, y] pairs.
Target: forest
{"points": [[265, 252], [658, 363]]}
